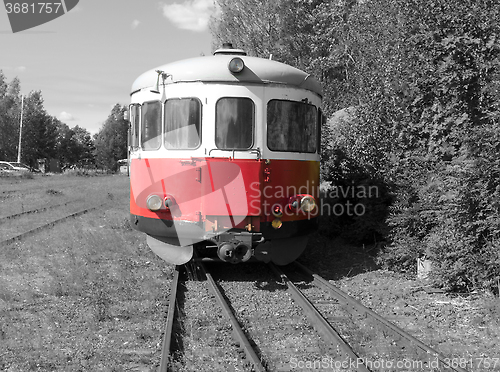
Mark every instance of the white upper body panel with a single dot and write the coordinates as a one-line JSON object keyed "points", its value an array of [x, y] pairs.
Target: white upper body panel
{"points": [[215, 69], [209, 80]]}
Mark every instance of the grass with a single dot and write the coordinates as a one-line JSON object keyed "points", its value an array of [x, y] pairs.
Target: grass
{"points": [[17, 175], [86, 172], [461, 326], [89, 295], [84, 295]]}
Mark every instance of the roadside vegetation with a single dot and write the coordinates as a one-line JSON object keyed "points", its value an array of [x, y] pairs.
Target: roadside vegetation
{"points": [[46, 137], [418, 83], [87, 294], [412, 93], [83, 295]]}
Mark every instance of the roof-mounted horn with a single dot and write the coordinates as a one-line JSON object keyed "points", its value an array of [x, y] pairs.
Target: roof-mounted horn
{"points": [[227, 48]]}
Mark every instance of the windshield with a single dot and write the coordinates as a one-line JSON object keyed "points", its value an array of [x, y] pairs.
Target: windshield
{"points": [[151, 125], [182, 123], [234, 123], [291, 126]]}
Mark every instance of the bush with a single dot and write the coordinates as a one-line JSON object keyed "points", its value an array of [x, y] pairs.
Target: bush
{"points": [[445, 144], [454, 220], [18, 175], [358, 200], [85, 172]]}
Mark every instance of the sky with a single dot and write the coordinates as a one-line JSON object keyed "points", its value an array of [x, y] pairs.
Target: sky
{"points": [[85, 61]]}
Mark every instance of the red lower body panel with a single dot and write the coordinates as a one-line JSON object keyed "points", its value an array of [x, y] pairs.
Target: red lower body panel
{"points": [[208, 197]]}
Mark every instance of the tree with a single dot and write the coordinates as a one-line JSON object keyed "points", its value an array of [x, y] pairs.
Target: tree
{"points": [[66, 149], [74, 146], [304, 34], [43, 136], [39, 131], [10, 108], [444, 158], [111, 140], [422, 80], [251, 24], [84, 144]]}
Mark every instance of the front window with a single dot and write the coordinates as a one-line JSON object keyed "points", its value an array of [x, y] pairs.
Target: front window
{"points": [[234, 123], [291, 126], [182, 123], [134, 126], [151, 125]]}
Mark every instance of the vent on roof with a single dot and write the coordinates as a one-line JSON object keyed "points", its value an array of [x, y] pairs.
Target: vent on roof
{"points": [[227, 48]]}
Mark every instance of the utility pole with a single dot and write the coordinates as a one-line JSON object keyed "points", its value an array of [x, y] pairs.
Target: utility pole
{"points": [[20, 131]]}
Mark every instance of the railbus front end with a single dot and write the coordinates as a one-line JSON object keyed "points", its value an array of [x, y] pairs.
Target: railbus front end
{"points": [[224, 158]]}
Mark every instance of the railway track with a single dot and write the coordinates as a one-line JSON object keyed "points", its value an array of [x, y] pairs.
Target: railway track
{"points": [[321, 324], [242, 346], [399, 344], [43, 226], [351, 336], [12, 191], [32, 211]]}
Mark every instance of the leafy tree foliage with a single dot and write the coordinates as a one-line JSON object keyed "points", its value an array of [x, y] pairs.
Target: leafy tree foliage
{"points": [[43, 136], [111, 141], [445, 160], [421, 80], [302, 33], [39, 130], [75, 146], [10, 104]]}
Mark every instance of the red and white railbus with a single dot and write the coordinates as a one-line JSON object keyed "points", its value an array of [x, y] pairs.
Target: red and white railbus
{"points": [[224, 158]]}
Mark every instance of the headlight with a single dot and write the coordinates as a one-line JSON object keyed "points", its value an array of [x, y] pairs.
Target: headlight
{"points": [[154, 203], [236, 65], [307, 204]]}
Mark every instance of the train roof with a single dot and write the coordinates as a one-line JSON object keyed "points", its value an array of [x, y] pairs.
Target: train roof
{"points": [[215, 69]]}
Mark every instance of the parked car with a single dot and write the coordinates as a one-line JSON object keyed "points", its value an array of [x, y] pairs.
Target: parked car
{"points": [[123, 166], [15, 166], [6, 167], [25, 167]]}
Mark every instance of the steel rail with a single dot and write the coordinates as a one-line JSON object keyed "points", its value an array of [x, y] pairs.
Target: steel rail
{"points": [[167, 335], [40, 228], [39, 210], [319, 322], [339, 294], [240, 336]]}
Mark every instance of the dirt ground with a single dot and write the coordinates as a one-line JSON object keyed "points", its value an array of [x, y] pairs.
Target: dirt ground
{"points": [[88, 295], [463, 326]]}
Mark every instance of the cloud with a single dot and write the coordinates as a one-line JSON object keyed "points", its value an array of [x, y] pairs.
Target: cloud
{"points": [[15, 69], [66, 116], [135, 24], [190, 15]]}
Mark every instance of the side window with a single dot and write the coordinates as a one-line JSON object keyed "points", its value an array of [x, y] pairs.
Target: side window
{"points": [[182, 123], [321, 122], [291, 126], [134, 126], [234, 123], [151, 125]]}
